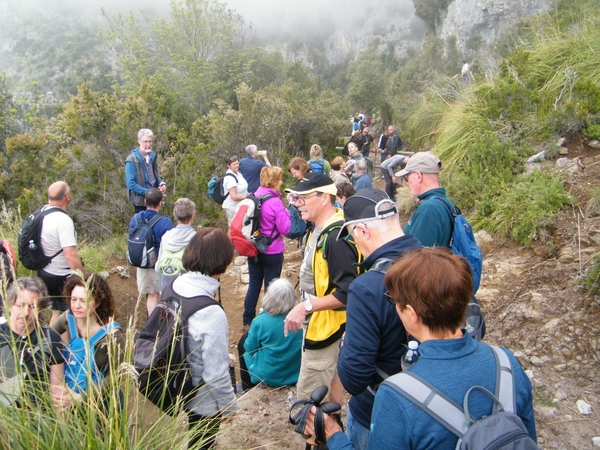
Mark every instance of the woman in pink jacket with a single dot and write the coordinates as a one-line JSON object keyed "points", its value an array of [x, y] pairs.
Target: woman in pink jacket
{"points": [[274, 222]]}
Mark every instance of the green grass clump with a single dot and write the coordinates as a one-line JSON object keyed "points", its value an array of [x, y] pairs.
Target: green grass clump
{"points": [[591, 278], [526, 208], [593, 131]]}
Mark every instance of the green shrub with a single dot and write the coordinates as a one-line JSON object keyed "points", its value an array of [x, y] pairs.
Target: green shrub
{"points": [[526, 208], [592, 131]]}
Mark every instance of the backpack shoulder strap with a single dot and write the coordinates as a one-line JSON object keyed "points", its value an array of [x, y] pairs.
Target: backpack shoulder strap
{"points": [[505, 383], [72, 324], [431, 400], [109, 327], [454, 213], [231, 175], [155, 219]]}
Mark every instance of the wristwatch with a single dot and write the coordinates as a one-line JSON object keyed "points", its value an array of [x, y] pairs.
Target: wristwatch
{"points": [[308, 306]]}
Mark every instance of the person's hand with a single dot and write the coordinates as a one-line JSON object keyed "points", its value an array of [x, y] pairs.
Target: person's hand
{"points": [[394, 179], [61, 397], [331, 425], [163, 187], [295, 318]]}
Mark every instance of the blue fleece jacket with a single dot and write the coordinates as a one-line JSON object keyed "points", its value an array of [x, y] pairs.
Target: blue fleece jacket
{"points": [[431, 223], [453, 366], [375, 336]]}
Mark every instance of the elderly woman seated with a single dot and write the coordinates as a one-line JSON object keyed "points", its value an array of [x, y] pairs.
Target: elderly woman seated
{"points": [[265, 353]]}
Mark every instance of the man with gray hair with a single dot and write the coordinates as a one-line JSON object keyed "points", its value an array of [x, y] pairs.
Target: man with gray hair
{"points": [[375, 338], [363, 180], [250, 166], [141, 171]]}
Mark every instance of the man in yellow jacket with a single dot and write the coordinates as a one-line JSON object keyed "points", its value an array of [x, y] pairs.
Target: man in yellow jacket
{"points": [[327, 269]]}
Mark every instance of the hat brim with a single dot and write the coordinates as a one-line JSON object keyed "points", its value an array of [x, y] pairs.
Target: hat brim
{"points": [[402, 173]]}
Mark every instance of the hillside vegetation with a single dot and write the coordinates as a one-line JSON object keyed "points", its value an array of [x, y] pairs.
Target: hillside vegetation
{"points": [[206, 92]]}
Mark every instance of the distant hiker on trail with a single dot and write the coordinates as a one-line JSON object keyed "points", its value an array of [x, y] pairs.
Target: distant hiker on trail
{"points": [[338, 171], [250, 166], [58, 238], [363, 180], [298, 167], [148, 279], [358, 139], [236, 185], [465, 72], [356, 155], [388, 168], [393, 144], [367, 142], [141, 172], [317, 162]]}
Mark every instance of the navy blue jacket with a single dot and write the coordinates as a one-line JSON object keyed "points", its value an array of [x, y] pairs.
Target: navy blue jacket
{"points": [[375, 337]]}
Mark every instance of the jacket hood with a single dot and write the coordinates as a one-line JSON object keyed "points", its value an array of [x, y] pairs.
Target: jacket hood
{"points": [[177, 238]]}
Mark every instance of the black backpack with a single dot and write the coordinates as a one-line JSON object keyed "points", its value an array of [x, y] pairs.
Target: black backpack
{"points": [[160, 355], [141, 248], [216, 190], [501, 430], [31, 253]]}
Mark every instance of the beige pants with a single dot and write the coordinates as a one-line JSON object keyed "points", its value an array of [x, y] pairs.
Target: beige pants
{"points": [[318, 367]]}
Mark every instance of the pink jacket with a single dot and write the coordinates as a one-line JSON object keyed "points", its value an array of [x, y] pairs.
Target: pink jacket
{"points": [[274, 219]]}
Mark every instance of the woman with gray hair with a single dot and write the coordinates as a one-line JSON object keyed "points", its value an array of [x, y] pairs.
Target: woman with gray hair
{"points": [[265, 353], [31, 354]]}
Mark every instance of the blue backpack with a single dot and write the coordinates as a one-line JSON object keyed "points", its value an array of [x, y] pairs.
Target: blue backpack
{"points": [[80, 363], [463, 242], [317, 165], [298, 226]]}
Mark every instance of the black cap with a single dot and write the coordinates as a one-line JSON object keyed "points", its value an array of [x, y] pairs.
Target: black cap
{"points": [[367, 204]]}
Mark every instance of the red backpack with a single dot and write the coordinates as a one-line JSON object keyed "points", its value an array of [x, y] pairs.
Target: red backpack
{"points": [[245, 227]]}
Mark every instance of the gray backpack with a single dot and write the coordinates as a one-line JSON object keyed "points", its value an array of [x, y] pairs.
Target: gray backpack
{"points": [[502, 429]]}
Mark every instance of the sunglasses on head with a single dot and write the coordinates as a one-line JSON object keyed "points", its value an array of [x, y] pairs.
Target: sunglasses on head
{"points": [[232, 159]]}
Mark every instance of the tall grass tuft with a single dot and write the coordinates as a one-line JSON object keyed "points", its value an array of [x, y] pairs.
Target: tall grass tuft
{"points": [[529, 205]]}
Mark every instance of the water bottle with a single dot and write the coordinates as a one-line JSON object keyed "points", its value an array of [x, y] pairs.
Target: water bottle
{"points": [[32, 245], [411, 356]]}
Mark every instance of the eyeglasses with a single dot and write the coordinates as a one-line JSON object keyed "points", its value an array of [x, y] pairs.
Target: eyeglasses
{"points": [[232, 159], [405, 177], [389, 298], [301, 201], [349, 235]]}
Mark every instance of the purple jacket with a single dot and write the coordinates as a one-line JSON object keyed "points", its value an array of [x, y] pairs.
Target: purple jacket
{"points": [[274, 219]]}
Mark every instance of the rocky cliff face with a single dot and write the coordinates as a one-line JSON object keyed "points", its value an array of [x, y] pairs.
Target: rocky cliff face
{"points": [[489, 19]]}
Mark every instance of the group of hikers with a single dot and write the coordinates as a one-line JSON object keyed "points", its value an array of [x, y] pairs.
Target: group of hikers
{"points": [[367, 286]]}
